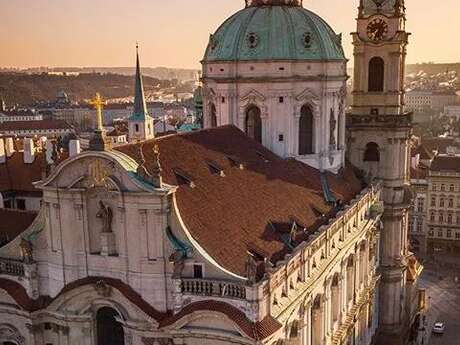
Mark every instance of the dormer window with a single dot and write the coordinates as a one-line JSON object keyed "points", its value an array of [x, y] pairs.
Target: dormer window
{"points": [[215, 169], [183, 178]]}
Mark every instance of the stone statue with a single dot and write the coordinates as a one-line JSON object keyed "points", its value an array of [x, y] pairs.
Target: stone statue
{"points": [[105, 213], [26, 251], [332, 126]]}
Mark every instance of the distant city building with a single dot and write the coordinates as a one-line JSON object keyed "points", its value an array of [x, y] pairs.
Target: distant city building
{"points": [[452, 111], [44, 128], [20, 115], [444, 204], [422, 100]]}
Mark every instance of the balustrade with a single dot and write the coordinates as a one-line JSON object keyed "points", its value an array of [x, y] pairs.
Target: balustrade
{"points": [[12, 268], [212, 288]]}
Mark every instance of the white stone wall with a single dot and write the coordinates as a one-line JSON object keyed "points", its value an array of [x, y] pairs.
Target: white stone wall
{"points": [[234, 87]]}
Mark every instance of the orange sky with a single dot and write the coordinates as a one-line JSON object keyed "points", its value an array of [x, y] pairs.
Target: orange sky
{"points": [[174, 33]]}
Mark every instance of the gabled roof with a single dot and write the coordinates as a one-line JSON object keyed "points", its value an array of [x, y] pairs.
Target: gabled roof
{"points": [[229, 213]]}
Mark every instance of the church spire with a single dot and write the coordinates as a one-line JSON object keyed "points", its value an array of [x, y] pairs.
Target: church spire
{"points": [[140, 107], [140, 123]]}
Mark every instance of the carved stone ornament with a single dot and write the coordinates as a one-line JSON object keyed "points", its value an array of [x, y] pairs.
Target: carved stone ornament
{"points": [[103, 289], [98, 173], [8, 334]]}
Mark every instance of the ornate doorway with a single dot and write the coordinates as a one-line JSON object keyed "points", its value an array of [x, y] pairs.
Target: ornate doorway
{"points": [[109, 331]]}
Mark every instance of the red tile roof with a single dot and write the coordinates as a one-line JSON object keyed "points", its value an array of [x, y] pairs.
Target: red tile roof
{"points": [[15, 175], [13, 223], [446, 163], [33, 125], [247, 208], [255, 330]]}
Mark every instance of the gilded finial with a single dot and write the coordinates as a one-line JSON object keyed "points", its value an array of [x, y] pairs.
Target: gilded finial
{"points": [[98, 103]]}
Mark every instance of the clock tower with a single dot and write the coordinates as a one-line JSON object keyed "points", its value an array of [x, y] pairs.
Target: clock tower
{"points": [[378, 143]]}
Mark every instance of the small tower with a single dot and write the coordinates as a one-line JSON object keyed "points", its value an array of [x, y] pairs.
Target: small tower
{"points": [[140, 122]]}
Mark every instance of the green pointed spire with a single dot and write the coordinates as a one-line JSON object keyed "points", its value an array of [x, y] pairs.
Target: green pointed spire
{"points": [[140, 108]]}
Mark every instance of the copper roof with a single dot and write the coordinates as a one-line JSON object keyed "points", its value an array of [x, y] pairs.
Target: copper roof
{"points": [[254, 207]]}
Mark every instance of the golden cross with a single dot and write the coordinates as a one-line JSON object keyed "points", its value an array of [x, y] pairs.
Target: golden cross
{"points": [[98, 104]]}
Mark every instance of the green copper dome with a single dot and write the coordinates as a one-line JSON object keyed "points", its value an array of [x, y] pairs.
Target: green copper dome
{"points": [[274, 32]]}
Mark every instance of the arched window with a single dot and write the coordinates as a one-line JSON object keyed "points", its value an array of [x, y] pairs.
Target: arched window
{"points": [[213, 122], [253, 123], [306, 131], [317, 321], [372, 153], [376, 74], [109, 331]]}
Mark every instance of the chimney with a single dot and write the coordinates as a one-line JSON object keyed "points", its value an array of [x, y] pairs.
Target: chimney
{"points": [[9, 146], [29, 151], [74, 147], [49, 152], [2, 151]]}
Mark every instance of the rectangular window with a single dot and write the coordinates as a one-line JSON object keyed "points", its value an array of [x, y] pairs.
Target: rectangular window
{"points": [[281, 99], [21, 204], [452, 188], [198, 271], [449, 233], [443, 187], [457, 235], [433, 201], [439, 233], [433, 187]]}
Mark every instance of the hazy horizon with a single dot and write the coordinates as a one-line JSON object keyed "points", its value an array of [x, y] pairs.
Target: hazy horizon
{"points": [[174, 34]]}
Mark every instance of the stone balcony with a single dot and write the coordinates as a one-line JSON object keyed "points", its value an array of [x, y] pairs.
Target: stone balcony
{"points": [[12, 268], [212, 288]]}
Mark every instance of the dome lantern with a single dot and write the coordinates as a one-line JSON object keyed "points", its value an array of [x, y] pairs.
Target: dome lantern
{"points": [[254, 3]]}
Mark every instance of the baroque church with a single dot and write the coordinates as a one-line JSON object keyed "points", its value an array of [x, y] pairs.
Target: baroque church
{"points": [[283, 221]]}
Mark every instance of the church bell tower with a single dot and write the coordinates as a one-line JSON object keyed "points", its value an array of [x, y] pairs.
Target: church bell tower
{"points": [[378, 143]]}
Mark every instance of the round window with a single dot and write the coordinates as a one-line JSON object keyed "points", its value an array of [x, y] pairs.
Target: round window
{"points": [[252, 40], [307, 40]]}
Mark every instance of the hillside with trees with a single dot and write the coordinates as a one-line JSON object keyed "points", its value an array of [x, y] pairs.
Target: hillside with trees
{"points": [[28, 89]]}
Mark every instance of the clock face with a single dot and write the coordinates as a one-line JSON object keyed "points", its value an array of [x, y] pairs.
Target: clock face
{"points": [[377, 29]]}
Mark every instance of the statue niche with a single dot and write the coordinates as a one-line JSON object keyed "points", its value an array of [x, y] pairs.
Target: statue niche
{"points": [[106, 215], [108, 244], [101, 227]]}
